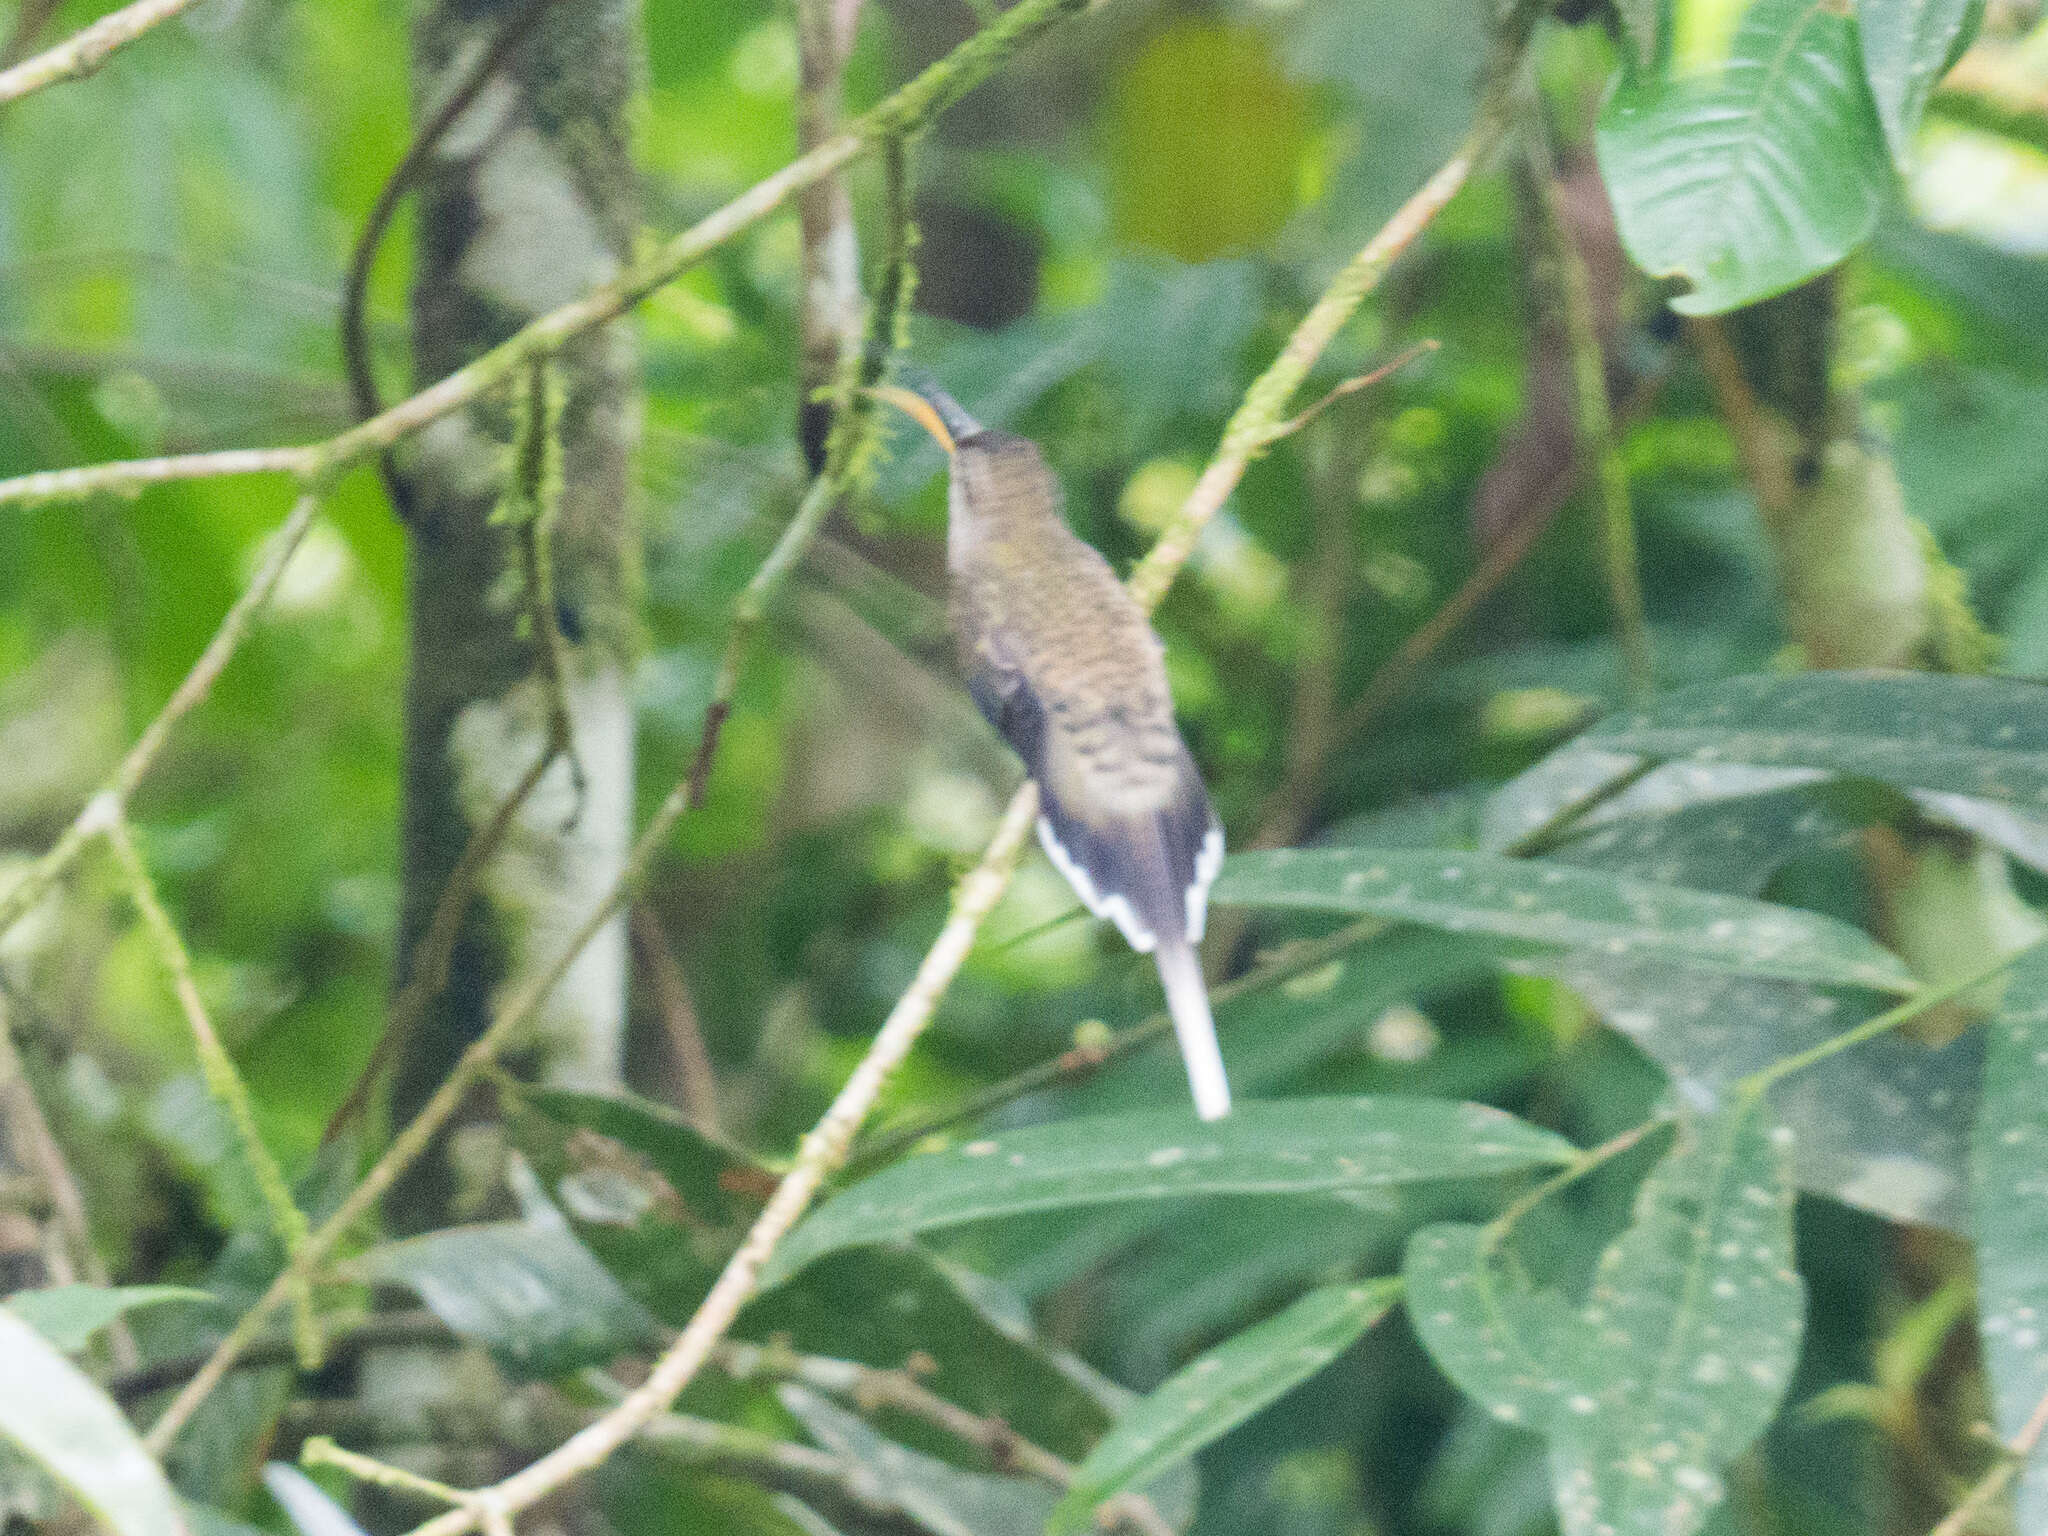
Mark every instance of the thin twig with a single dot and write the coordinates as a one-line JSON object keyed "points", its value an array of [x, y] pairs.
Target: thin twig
{"points": [[346, 1335], [1592, 416], [1584, 1163], [937, 88], [59, 1185], [130, 477], [847, 445], [868, 1389], [431, 958], [695, 1075], [319, 1451], [1883, 1023], [87, 49], [355, 286], [1992, 1483], [1352, 386]]}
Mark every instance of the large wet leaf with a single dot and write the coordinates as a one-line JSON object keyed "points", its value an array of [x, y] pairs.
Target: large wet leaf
{"points": [[1680, 1353], [1907, 46], [1272, 1033], [1557, 907], [932, 1496], [1291, 1146], [1749, 173], [881, 1306], [527, 1290], [702, 1171], [1219, 1390], [1884, 1127], [2009, 1199], [69, 1315], [62, 1421], [1986, 737]]}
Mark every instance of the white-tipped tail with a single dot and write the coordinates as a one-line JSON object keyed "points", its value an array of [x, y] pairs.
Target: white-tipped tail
{"points": [[1187, 999]]}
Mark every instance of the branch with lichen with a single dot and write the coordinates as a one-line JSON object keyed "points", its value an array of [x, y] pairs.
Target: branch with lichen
{"points": [[216, 1067], [850, 444]]}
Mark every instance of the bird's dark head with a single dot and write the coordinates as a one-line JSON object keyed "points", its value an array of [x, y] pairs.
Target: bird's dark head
{"points": [[999, 480]]}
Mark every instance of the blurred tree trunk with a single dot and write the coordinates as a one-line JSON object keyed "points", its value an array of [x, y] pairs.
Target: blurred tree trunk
{"points": [[528, 201]]}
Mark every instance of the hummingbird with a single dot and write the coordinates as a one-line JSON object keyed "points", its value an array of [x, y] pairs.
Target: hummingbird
{"points": [[1064, 663]]}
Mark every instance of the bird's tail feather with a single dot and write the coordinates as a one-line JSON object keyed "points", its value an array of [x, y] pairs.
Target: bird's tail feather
{"points": [[1187, 1000]]}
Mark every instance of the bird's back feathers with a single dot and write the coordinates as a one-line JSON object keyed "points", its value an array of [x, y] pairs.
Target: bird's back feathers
{"points": [[1063, 661]]}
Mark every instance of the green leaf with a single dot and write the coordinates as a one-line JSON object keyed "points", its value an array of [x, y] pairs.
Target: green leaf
{"points": [[1273, 1033], [699, 1168], [1678, 1357], [1221, 1389], [527, 1290], [311, 1510], [68, 1426], [1292, 1145], [69, 1315], [937, 1498], [1747, 174], [1884, 1127], [1513, 1350], [1733, 845], [1985, 737], [2010, 1206], [881, 1305], [1908, 46], [1555, 906]]}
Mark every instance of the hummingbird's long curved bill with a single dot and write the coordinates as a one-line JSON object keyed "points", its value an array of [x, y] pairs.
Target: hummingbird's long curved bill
{"points": [[918, 409]]}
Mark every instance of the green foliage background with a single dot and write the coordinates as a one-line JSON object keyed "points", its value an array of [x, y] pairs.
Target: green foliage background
{"points": [[1181, 181]]}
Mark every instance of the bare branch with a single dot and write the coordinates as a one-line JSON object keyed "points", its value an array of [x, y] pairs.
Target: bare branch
{"points": [[355, 286], [694, 1072], [86, 50], [1592, 414], [1992, 1483]]}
